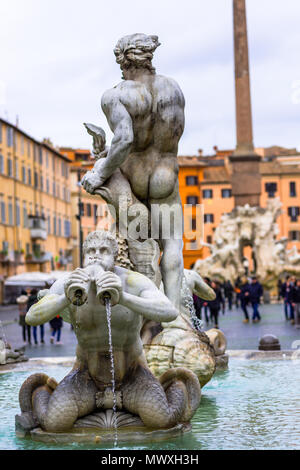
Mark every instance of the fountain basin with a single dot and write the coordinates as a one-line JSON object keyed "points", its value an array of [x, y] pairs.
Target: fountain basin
{"points": [[252, 405]]}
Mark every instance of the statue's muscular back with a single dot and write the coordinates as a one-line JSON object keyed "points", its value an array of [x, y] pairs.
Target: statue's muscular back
{"points": [[155, 105]]}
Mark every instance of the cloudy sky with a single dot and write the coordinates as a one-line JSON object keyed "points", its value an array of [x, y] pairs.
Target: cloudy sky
{"points": [[56, 60]]}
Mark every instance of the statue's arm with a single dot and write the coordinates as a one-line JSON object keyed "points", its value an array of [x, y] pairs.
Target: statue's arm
{"points": [[200, 288], [48, 307], [150, 302], [120, 123]]}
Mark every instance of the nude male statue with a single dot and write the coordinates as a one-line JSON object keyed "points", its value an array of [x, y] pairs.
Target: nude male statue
{"points": [[146, 114], [158, 404]]}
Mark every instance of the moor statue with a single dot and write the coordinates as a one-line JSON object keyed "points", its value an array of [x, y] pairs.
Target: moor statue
{"points": [[146, 114]]}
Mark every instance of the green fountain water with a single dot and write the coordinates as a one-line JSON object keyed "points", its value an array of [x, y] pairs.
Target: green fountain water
{"points": [[253, 405]]}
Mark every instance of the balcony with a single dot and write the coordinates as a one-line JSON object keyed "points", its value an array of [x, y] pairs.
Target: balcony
{"points": [[37, 227]]}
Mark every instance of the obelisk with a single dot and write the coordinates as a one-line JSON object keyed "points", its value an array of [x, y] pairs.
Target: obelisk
{"points": [[245, 179]]}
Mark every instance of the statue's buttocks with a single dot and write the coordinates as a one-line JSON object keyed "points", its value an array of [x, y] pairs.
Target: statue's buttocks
{"points": [[156, 109]]}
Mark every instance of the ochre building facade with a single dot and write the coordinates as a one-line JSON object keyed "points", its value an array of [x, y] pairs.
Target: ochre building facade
{"points": [[35, 204]]}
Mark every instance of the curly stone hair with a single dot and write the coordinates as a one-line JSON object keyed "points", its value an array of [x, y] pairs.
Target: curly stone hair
{"points": [[94, 238], [136, 50]]}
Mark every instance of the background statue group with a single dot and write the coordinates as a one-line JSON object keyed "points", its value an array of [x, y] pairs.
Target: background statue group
{"points": [[255, 227], [146, 114]]}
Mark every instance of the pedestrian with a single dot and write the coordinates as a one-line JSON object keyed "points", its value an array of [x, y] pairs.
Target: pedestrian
{"points": [[215, 305], [56, 325], [255, 293], [228, 293], [31, 301], [245, 298], [205, 303], [296, 303], [287, 292], [22, 305], [237, 290]]}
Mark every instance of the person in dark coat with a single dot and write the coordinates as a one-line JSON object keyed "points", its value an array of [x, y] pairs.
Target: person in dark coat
{"points": [[228, 293], [255, 293], [31, 301], [56, 325], [215, 305], [296, 303], [287, 292], [245, 298]]}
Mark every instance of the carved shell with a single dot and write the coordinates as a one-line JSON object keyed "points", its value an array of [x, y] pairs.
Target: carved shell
{"points": [[108, 419], [174, 347]]}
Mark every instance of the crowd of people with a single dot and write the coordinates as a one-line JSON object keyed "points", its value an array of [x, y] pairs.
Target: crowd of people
{"points": [[289, 291], [28, 298], [244, 293], [247, 293]]}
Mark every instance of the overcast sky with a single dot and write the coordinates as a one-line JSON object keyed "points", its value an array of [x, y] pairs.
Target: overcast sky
{"points": [[56, 60]]}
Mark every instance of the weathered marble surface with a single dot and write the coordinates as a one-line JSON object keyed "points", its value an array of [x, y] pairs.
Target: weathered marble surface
{"points": [[179, 344], [10, 356]]}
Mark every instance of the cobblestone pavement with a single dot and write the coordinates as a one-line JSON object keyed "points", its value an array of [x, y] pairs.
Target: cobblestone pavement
{"points": [[239, 335]]}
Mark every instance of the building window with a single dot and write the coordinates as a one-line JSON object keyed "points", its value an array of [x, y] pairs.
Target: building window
{"points": [[67, 229], [1, 164], [42, 182], [192, 200], [207, 193], [9, 167], [294, 213], [10, 136], [10, 213], [29, 176], [36, 180], [191, 181], [59, 226], [47, 160], [25, 218], [3, 212], [18, 221], [24, 174], [293, 192], [47, 186], [88, 210], [294, 235], [209, 218], [41, 155], [54, 225], [271, 189], [95, 213], [226, 193], [209, 239], [54, 189], [49, 224]]}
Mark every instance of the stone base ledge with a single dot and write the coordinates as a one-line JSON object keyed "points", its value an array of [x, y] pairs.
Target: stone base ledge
{"points": [[260, 355], [108, 436]]}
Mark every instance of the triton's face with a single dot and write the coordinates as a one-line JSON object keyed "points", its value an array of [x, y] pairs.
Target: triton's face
{"points": [[101, 254]]}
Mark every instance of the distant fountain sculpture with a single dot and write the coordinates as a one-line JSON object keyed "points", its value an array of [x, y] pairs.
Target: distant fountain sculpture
{"points": [[111, 385], [255, 227]]}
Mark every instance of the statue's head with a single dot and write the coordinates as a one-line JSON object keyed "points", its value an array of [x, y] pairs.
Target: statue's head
{"points": [[136, 50], [100, 248]]}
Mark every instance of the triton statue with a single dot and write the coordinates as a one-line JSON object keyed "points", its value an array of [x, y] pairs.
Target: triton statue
{"points": [[158, 403]]}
